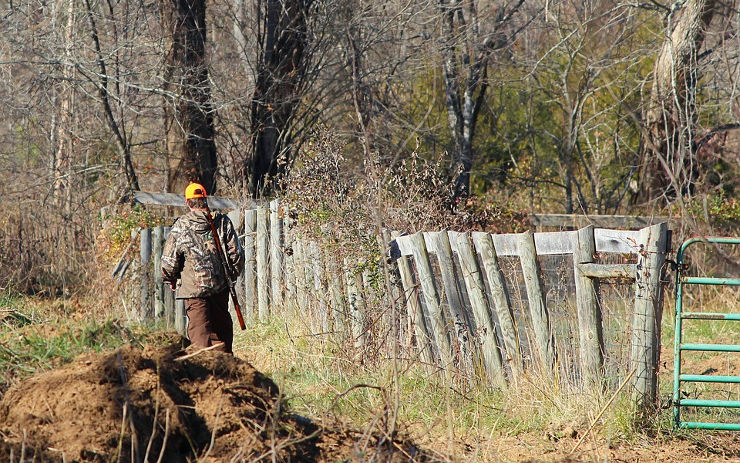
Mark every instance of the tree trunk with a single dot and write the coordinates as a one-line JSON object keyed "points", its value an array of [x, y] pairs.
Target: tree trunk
{"points": [[670, 115], [191, 126], [277, 91]]}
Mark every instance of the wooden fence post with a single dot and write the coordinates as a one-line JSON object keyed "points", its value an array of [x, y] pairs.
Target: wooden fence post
{"points": [[250, 263], [145, 254], [356, 309], [317, 264], [334, 281], [645, 352], [393, 293], [312, 306], [263, 277], [169, 294], [501, 301], [235, 216], [536, 300], [589, 313], [299, 276], [483, 321], [276, 255], [157, 237], [181, 317], [431, 298], [289, 297]]}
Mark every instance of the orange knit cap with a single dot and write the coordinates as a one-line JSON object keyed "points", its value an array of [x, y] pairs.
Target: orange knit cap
{"points": [[195, 190]]}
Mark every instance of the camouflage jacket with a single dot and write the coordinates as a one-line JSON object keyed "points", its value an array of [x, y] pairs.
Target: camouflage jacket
{"points": [[190, 255]]}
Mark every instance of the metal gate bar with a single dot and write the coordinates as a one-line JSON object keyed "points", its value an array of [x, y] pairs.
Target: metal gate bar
{"points": [[679, 346]]}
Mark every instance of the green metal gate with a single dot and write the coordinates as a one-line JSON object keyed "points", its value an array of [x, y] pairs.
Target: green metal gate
{"points": [[680, 346]]}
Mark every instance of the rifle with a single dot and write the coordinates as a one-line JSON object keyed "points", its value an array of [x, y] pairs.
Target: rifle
{"points": [[224, 259]]}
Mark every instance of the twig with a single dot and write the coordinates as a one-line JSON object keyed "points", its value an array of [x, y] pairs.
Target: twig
{"points": [[215, 428], [166, 434], [156, 415], [603, 409], [123, 432], [200, 351]]}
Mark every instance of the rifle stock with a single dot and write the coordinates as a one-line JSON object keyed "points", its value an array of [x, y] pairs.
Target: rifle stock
{"points": [[224, 259]]}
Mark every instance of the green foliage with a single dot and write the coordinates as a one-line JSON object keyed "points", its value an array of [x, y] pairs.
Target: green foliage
{"points": [[721, 211], [117, 235]]}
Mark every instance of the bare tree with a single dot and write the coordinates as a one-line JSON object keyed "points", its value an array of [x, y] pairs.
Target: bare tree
{"points": [[671, 112], [282, 35], [189, 112], [467, 46]]}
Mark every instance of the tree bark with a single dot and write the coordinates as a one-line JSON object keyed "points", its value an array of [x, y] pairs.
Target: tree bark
{"points": [[670, 116], [191, 111], [277, 91], [464, 45]]}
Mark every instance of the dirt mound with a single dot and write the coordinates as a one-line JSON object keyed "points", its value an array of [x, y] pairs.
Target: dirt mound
{"points": [[159, 404]]}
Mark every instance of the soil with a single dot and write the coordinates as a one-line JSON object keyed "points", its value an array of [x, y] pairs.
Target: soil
{"points": [[161, 404]]}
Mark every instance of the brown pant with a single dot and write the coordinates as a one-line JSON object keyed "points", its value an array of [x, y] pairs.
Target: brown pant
{"points": [[209, 321]]}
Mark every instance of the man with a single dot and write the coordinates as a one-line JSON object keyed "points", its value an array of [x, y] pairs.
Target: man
{"points": [[190, 256]]}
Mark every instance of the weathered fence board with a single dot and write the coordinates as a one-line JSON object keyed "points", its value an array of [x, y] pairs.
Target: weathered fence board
{"points": [[536, 300], [414, 311], [431, 298], [169, 294], [648, 312], [145, 254], [157, 239], [250, 264], [501, 302], [590, 330], [276, 255], [262, 249], [483, 321], [439, 244], [356, 309]]}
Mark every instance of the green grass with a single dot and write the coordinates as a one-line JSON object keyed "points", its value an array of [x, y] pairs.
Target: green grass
{"points": [[318, 378], [38, 335]]}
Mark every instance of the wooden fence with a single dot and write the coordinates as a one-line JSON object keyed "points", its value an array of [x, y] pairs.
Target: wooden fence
{"points": [[453, 298]]}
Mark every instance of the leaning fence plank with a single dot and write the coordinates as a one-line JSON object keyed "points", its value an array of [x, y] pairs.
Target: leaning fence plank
{"points": [[276, 255], [414, 310], [431, 298], [536, 300], [483, 321], [501, 301], [452, 296], [250, 263], [645, 352], [145, 255], [590, 332], [157, 237], [263, 277]]}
